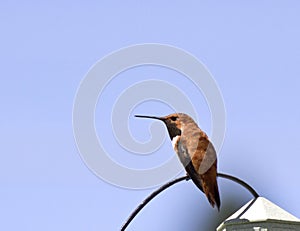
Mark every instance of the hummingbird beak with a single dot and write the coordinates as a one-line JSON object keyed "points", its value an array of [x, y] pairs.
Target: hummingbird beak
{"points": [[150, 117]]}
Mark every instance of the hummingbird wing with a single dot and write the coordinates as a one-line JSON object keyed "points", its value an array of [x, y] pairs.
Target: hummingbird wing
{"points": [[188, 164], [198, 156], [204, 161]]}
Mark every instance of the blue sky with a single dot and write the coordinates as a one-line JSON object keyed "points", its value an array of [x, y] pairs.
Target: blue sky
{"points": [[252, 50]]}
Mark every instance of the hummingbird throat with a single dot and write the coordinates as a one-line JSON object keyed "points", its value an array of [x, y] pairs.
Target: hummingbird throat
{"points": [[173, 130]]}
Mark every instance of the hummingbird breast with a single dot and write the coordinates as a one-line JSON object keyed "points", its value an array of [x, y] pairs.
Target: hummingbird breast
{"points": [[175, 142]]}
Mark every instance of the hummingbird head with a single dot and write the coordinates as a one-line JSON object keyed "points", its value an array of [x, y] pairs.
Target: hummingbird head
{"points": [[174, 122]]}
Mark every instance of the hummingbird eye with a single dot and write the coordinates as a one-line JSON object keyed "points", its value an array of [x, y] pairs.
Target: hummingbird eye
{"points": [[173, 118]]}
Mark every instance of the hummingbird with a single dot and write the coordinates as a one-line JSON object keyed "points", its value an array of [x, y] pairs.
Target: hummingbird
{"points": [[195, 152]]}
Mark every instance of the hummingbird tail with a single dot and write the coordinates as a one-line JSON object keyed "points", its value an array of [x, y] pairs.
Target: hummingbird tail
{"points": [[212, 192], [217, 197]]}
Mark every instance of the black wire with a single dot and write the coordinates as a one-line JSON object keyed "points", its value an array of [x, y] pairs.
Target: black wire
{"points": [[239, 181], [150, 197], [167, 185]]}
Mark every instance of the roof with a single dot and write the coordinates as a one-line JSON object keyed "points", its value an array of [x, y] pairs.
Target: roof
{"points": [[261, 209]]}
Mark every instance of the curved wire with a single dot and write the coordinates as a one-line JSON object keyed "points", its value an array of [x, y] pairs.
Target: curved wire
{"points": [[167, 185], [239, 181]]}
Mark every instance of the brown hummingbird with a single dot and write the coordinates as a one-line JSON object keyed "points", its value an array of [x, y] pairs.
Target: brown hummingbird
{"points": [[195, 152]]}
